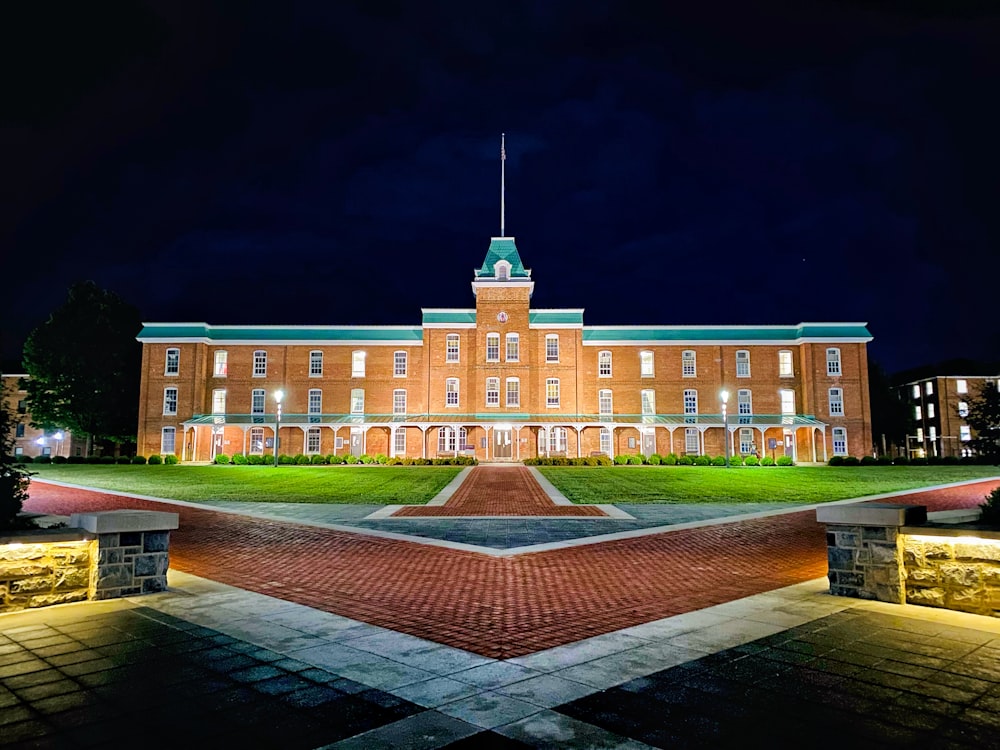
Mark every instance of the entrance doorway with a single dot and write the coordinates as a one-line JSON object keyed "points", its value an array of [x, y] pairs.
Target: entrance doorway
{"points": [[357, 442], [503, 446], [648, 443]]}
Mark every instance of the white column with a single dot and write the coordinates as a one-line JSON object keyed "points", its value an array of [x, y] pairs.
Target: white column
{"points": [[579, 448]]}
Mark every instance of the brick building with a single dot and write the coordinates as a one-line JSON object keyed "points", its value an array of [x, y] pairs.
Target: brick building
{"points": [[28, 440], [938, 397], [503, 381]]}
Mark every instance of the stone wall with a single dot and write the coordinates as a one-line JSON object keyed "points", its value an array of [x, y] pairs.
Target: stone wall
{"points": [[133, 562], [864, 562], [960, 573], [41, 568]]}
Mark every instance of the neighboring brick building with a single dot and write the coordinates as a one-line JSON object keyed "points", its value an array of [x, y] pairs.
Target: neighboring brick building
{"points": [[28, 440], [938, 397], [504, 382]]}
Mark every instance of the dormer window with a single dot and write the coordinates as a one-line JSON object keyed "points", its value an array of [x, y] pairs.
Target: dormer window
{"points": [[501, 269]]}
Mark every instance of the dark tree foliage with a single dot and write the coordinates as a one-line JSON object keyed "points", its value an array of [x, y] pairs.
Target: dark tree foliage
{"points": [[84, 366], [984, 418], [891, 417], [14, 478]]}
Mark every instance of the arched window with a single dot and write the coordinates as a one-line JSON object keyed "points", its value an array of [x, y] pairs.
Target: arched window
{"points": [[604, 364], [833, 361]]}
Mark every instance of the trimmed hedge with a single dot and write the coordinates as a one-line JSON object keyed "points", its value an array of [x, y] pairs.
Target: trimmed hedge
{"points": [[221, 459], [139, 460], [170, 459], [155, 460]]}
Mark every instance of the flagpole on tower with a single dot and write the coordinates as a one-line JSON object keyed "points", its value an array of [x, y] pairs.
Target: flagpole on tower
{"points": [[503, 159]]}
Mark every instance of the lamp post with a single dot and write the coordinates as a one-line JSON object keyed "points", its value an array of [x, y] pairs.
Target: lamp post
{"points": [[278, 395], [724, 396]]}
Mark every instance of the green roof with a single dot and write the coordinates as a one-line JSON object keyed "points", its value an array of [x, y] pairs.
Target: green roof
{"points": [[285, 334], [503, 248], [555, 317], [721, 334], [449, 316]]}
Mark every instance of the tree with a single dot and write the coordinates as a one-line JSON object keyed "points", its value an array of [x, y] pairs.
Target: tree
{"points": [[984, 418], [891, 417], [14, 478], [84, 365]]}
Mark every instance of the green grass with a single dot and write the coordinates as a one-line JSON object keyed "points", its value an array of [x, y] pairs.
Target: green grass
{"points": [[384, 485], [696, 484]]}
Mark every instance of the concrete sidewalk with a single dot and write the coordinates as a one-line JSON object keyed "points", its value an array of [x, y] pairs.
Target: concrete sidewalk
{"points": [[207, 663]]}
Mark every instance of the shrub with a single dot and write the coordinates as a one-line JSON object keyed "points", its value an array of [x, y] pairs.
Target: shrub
{"points": [[670, 459], [43, 459], [381, 458], [918, 461], [155, 460], [784, 461], [884, 460], [139, 460], [255, 459], [334, 459], [901, 461], [170, 459], [702, 460], [123, 460], [350, 458], [365, 458], [621, 459], [221, 458], [719, 461], [302, 460], [635, 460], [736, 460], [59, 459], [603, 460], [105, 460], [23, 459], [685, 461], [240, 460], [77, 459], [836, 461], [851, 461], [869, 461], [655, 460], [286, 460], [990, 510], [950, 460], [318, 460], [752, 461], [767, 461], [93, 459]]}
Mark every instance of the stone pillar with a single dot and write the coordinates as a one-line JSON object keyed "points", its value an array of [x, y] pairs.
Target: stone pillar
{"points": [[864, 548], [132, 550]]}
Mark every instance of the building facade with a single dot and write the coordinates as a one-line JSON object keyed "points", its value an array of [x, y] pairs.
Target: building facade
{"points": [[503, 382], [938, 405], [28, 440]]}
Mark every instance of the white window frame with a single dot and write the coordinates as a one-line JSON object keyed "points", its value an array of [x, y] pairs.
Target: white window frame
{"points": [[915, 391], [604, 362], [833, 365], [835, 401], [786, 364], [557, 440], [512, 348], [552, 393], [647, 368], [747, 443], [168, 441], [220, 368], [492, 392], [258, 401], [399, 442], [492, 347], [219, 401], [961, 386], [399, 401], [170, 402], [743, 363], [399, 362], [315, 401], [260, 363], [450, 440], [920, 434], [964, 433], [516, 401], [930, 411], [744, 402], [357, 401], [451, 393], [605, 438], [605, 402], [918, 412], [314, 440], [690, 401], [647, 400], [452, 347], [692, 441], [839, 436], [256, 441], [963, 409], [358, 357], [552, 348], [932, 433], [929, 388], [787, 401], [172, 364], [315, 363], [689, 363]]}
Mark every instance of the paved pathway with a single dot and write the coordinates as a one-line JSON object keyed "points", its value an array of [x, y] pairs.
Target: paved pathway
{"points": [[499, 491]]}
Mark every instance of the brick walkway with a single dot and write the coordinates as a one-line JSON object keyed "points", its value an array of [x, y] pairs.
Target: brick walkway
{"points": [[500, 491], [502, 607]]}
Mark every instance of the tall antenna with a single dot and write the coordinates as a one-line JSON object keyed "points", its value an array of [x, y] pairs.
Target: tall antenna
{"points": [[503, 159]]}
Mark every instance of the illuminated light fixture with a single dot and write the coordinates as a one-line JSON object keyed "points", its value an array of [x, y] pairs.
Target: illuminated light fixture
{"points": [[933, 539]]}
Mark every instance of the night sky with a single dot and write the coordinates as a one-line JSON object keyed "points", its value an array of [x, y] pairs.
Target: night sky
{"points": [[338, 163]]}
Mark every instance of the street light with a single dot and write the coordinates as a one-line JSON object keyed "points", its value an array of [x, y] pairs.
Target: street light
{"points": [[278, 395], [724, 396]]}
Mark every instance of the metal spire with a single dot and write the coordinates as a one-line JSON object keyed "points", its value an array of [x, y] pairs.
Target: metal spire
{"points": [[503, 159]]}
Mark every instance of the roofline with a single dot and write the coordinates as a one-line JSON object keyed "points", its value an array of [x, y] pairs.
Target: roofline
{"points": [[719, 327], [729, 342]]}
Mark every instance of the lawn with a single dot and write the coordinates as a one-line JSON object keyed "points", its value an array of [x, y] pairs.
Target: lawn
{"points": [[383, 485], [708, 484]]}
